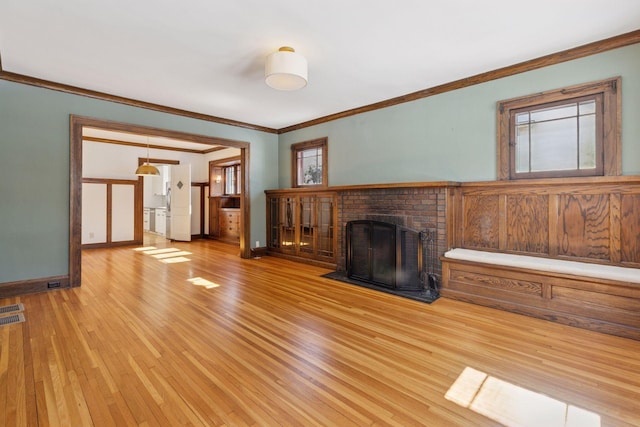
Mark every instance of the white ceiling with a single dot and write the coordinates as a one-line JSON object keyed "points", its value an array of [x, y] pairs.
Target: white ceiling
{"points": [[207, 56]]}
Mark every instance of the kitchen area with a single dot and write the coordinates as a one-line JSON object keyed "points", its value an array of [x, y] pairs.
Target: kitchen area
{"points": [[119, 208], [155, 202]]}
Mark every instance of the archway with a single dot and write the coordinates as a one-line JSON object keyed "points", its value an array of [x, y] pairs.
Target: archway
{"points": [[77, 123]]}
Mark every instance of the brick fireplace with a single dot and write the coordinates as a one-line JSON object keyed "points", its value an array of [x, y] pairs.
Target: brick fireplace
{"points": [[417, 207]]}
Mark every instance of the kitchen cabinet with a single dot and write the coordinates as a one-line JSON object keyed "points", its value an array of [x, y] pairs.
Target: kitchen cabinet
{"points": [[161, 221], [146, 219], [302, 224]]}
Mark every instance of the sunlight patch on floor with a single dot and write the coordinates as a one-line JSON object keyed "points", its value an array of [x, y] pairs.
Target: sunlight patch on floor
{"points": [[171, 254], [175, 260], [166, 255], [199, 281], [514, 406], [161, 251]]}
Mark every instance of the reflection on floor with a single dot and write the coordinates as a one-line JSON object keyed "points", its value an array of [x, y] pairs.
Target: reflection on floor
{"points": [[152, 239]]}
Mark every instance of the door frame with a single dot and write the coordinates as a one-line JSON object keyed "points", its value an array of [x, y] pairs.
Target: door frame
{"points": [[77, 123]]}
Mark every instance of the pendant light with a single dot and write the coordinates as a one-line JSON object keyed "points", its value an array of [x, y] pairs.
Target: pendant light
{"points": [[286, 69], [147, 169]]}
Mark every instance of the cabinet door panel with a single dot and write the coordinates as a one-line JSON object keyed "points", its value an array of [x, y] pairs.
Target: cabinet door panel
{"points": [[302, 225], [325, 227], [307, 223], [288, 239]]}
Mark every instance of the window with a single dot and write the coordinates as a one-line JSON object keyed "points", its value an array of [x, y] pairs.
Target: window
{"points": [[225, 177], [232, 179], [310, 163], [566, 132]]}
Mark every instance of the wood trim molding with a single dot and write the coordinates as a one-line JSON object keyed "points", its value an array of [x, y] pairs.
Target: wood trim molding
{"points": [[227, 161], [245, 207], [589, 49], [364, 187], [61, 87], [322, 143], [608, 142], [23, 287], [157, 147], [142, 160], [153, 131]]}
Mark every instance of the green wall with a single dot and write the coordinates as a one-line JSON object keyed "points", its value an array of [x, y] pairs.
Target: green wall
{"points": [[452, 136], [34, 206]]}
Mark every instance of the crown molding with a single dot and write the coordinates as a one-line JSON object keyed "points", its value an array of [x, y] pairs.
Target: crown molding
{"points": [[589, 49], [61, 87]]}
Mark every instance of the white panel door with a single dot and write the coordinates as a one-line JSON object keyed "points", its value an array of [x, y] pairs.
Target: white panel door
{"points": [[94, 213], [195, 210], [179, 206], [122, 212]]}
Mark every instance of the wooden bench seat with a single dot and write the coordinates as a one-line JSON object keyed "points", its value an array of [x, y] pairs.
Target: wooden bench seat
{"points": [[604, 298]]}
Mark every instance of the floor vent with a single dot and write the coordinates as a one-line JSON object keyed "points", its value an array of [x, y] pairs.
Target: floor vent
{"points": [[11, 319], [11, 308]]}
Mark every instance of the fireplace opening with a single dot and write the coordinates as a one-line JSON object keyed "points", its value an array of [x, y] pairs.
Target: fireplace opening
{"points": [[384, 254]]}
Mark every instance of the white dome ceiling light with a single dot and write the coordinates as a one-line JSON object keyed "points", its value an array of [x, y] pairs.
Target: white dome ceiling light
{"points": [[286, 69]]}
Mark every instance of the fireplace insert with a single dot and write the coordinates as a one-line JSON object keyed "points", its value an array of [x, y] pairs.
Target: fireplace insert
{"points": [[384, 254]]}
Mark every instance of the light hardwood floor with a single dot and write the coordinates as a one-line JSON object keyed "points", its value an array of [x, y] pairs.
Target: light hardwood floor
{"points": [[267, 341]]}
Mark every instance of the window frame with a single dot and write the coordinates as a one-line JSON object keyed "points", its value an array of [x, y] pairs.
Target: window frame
{"points": [[608, 140], [217, 176], [237, 174], [303, 146]]}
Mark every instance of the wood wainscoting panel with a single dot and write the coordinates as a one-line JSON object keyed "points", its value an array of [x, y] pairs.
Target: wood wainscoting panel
{"points": [[601, 305], [583, 223], [595, 219], [528, 223], [630, 228], [479, 277], [481, 221]]}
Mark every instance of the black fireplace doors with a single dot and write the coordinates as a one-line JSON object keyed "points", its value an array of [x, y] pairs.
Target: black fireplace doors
{"points": [[384, 254]]}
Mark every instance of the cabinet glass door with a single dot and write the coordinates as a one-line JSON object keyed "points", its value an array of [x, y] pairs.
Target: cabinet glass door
{"points": [[287, 224], [274, 223], [325, 227], [307, 225]]}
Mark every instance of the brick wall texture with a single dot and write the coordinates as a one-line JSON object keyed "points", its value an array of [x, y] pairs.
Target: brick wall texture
{"points": [[420, 209]]}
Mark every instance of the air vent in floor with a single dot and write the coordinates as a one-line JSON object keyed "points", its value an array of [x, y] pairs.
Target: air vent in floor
{"points": [[11, 319], [11, 308]]}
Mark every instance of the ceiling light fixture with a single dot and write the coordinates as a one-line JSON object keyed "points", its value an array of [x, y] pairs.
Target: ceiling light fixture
{"points": [[147, 169], [286, 69]]}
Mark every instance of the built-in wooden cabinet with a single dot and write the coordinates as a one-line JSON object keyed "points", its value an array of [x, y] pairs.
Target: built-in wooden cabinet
{"points": [[230, 224], [302, 224], [225, 218]]}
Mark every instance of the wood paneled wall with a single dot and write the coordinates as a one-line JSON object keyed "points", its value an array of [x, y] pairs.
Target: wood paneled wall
{"points": [[593, 219]]}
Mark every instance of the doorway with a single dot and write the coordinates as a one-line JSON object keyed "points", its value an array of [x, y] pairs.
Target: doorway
{"points": [[77, 123]]}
